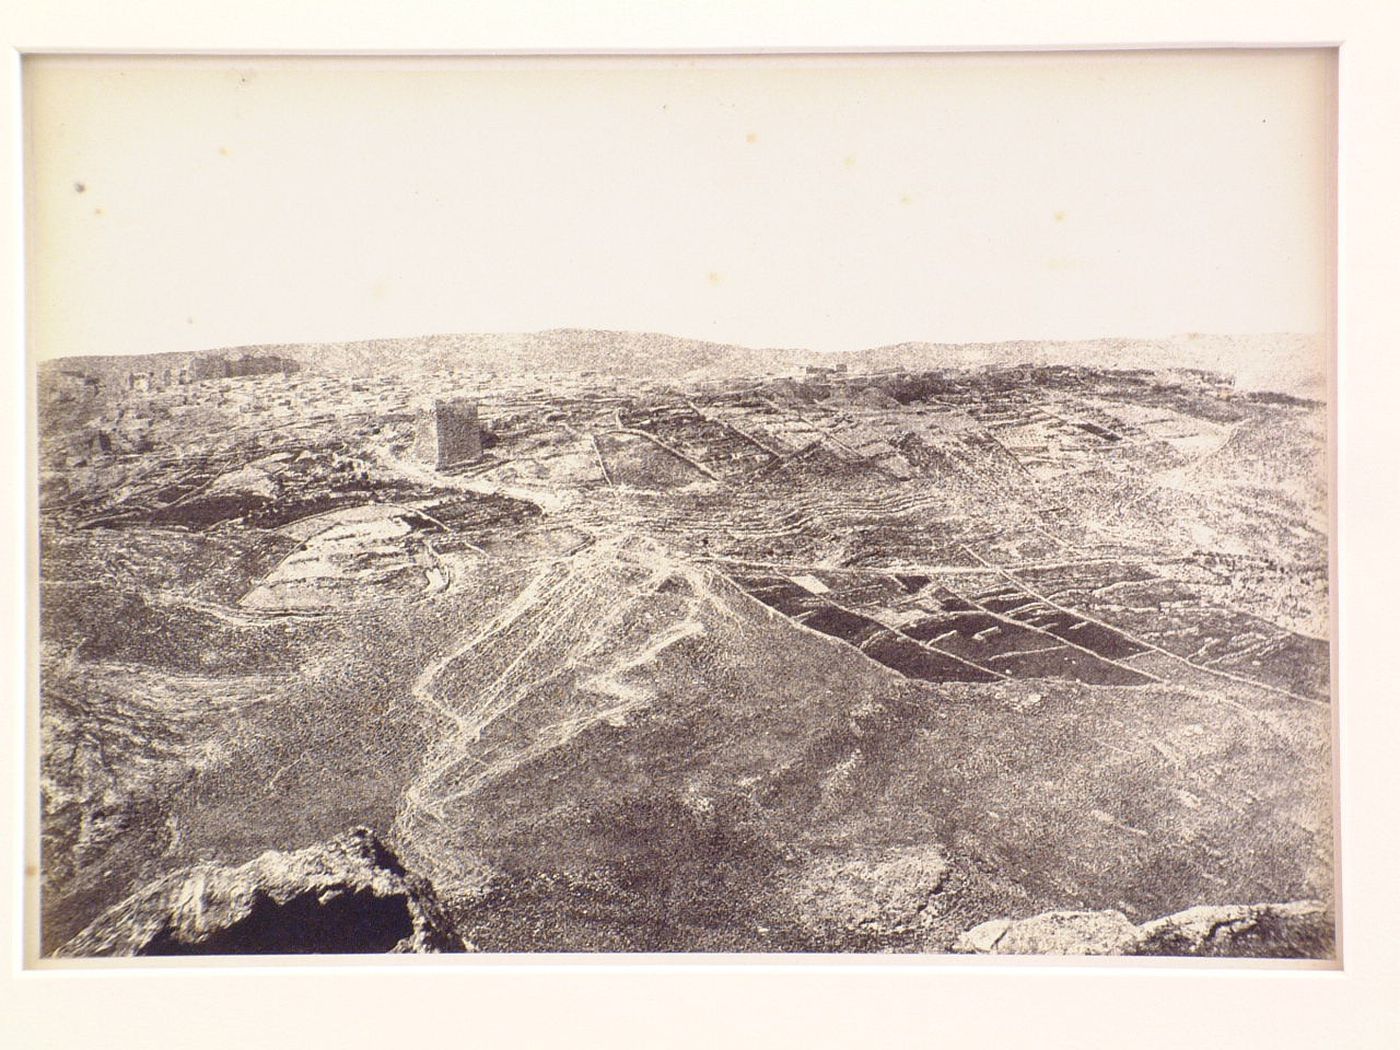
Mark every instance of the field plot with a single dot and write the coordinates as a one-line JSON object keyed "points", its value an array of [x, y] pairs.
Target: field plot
{"points": [[721, 449]]}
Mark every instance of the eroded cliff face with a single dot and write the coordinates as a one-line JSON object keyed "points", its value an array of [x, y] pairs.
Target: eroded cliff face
{"points": [[347, 895]]}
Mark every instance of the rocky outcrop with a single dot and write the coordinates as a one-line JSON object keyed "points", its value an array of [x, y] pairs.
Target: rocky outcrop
{"points": [[1053, 933], [347, 895], [843, 900], [1298, 930]]}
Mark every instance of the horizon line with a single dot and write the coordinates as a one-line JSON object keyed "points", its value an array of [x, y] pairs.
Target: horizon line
{"points": [[959, 344]]}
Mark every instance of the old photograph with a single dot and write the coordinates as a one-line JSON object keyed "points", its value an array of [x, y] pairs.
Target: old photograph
{"points": [[793, 504]]}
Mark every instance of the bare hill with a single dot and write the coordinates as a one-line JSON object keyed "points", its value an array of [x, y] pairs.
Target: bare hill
{"points": [[1286, 363], [1293, 364]]}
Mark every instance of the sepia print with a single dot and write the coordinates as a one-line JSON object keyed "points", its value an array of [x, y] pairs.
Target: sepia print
{"points": [[837, 550]]}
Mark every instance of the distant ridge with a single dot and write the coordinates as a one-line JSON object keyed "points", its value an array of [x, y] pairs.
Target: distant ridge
{"points": [[1287, 363], [1283, 362]]}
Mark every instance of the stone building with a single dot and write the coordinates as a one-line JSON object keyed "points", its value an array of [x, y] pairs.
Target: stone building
{"points": [[213, 366], [449, 433]]}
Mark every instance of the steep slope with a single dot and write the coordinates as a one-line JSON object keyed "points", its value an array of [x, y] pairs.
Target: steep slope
{"points": [[637, 756]]}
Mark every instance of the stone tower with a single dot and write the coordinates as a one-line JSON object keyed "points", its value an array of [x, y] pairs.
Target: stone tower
{"points": [[449, 434]]}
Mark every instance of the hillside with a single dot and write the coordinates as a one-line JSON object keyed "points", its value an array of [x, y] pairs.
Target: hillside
{"points": [[820, 662], [1289, 364]]}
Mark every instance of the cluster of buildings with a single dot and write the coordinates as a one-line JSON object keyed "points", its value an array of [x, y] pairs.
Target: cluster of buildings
{"points": [[446, 433], [211, 367], [214, 367]]}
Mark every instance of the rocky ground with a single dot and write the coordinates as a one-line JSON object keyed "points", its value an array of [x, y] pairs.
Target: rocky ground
{"points": [[1020, 660], [349, 894]]}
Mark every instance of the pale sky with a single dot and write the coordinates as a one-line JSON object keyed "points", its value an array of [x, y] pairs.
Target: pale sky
{"points": [[812, 202]]}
